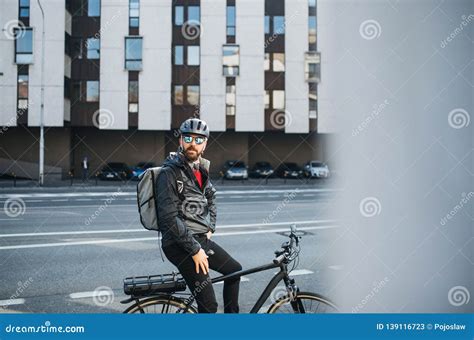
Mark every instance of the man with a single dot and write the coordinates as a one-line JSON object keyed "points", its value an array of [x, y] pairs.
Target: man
{"points": [[85, 169], [187, 213]]}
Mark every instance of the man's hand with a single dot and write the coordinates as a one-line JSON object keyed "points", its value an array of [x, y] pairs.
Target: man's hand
{"points": [[200, 259], [209, 234]]}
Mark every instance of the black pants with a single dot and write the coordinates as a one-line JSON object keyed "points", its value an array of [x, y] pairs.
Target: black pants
{"points": [[200, 284]]}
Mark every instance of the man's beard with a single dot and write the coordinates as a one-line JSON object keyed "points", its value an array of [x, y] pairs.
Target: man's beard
{"points": [[191, 154]]}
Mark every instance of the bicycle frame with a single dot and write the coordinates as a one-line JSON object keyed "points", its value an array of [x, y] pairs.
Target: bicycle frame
{"points": [[281, 275]]}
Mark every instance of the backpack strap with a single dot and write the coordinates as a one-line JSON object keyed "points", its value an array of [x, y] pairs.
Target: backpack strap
{"points": [[179, 181]]}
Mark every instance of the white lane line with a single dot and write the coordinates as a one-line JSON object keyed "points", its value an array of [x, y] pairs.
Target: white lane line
{"points": [[301, 272], [336, 267], [242, 279], [82, 295], [120, 193], [11, 219], [236, 196], [11, 302], [60, 200], [226, 226], [61, 244]]}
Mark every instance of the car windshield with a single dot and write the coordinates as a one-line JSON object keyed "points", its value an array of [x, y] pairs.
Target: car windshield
{"points": [[236, 164], [317, 164]]}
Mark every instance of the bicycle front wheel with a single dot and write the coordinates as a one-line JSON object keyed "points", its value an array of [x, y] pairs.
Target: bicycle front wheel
{"points": [[160, 305], [304, 302]]}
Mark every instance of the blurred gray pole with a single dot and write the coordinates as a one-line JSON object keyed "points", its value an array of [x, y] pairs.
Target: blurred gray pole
{"points": [[41, 145]]}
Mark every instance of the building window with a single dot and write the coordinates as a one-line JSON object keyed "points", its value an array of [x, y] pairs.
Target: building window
{"points": [[193, 55], [192, 94], [133, 96], [267, 24], [312, 29], [93, 8], [24, 10], [23, 79], [133, 53], [134, 13], [274, 62], [92, 91], [278, 62], [231, 20], [230, 60], [23, 45], [178, 15], [178, 98], [230, 99], [193, 14], [178, 55], [313, 103], [278, 99], [312, 67], [93, 48], [278, 25]]}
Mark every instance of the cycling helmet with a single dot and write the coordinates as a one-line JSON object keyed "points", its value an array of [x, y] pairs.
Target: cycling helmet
{"points": [[195, 126]]}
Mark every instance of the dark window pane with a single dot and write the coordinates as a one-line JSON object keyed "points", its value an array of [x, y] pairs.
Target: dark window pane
{"points": [[133, 54], [193, 13], [24, 3], [278, 25], [230, 16], [267, 24], [178, 95], [193, 55], [24, 40], [93, 48], [134, 22], [178, 55], [178, 15], [23, 86], [24, 12], [92, 91], [93, 8], [133, 91], [193, 95]]}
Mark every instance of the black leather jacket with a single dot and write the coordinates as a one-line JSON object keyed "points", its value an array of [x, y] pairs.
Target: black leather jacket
{"points": [[183, 207]]}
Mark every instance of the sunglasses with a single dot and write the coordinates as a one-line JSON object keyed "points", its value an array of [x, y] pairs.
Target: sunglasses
{"points": [[198, 140]]}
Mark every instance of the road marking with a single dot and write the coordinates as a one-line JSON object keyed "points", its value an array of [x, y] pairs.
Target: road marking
{"points": [[62, 244], [227, 226], [60, 200], [242, 279], [11, 219], [336, 267], [82, 295], [120, 193], [300, 272], [11, 302]]}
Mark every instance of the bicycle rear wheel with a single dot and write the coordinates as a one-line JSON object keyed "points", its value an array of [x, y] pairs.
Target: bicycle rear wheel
{"points": [[304, 302], [160, 305]]}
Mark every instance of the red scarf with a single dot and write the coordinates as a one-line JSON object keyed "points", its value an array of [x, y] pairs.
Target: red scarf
{"points": [[198, 175]]}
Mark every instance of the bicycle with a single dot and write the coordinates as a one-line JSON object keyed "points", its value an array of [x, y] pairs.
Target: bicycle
{"points": [[162, 293]]}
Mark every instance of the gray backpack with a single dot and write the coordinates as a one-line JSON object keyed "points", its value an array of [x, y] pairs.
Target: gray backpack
{"points": [[146, 196]]}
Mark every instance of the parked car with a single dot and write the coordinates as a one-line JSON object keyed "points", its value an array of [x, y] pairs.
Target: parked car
{"points": [[141, 167], [116, 170], [289, 170], [261, 169], [316, 169], [235, 170]]}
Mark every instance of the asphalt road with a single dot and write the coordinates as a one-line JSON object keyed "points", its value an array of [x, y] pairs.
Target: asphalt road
{"points": [[58, 247]]}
